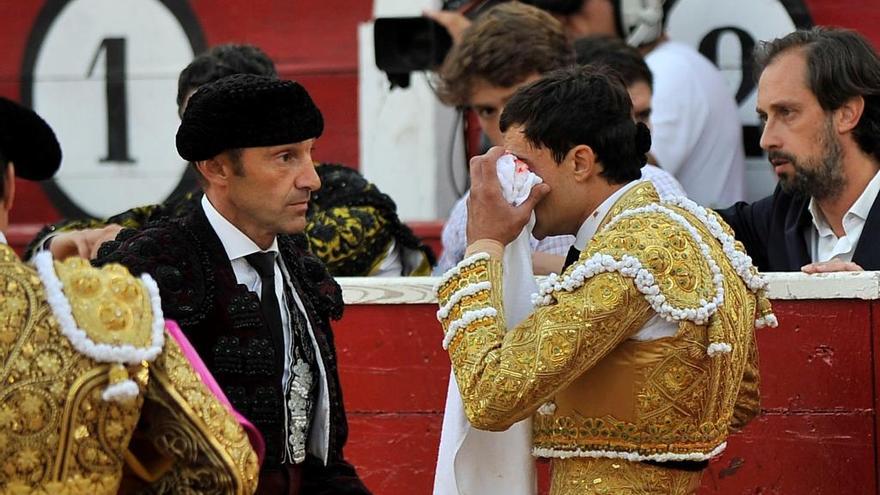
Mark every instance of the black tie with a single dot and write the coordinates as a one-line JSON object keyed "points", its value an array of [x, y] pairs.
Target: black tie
{"points": [[573, 255], [264, 264]]}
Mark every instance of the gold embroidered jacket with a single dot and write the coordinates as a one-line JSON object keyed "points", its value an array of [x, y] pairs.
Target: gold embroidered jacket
{"points": [[82, 360], [593, 390]]}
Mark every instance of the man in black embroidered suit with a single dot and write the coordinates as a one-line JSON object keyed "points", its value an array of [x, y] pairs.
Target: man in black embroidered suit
{"points": [[819, 99], [237, 276]]}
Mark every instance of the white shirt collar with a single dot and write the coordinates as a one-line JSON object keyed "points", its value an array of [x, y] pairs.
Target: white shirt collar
{"points": [[819, 222], [235, 242], [860, 209], [3, 239], [591, 224]]}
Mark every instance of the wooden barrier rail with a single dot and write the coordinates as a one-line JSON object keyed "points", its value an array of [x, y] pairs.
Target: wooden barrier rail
{"points": [[820, 375]]}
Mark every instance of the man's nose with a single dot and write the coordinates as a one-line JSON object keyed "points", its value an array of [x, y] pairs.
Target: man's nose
{"points": [[769, 137], [310, 179]]}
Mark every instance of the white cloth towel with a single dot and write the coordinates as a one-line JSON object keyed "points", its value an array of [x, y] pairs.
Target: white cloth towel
{"points": [[476, 462]]}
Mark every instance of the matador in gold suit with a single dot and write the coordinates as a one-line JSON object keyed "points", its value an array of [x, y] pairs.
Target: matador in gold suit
{"points": [[98, 393], [639, 359]]}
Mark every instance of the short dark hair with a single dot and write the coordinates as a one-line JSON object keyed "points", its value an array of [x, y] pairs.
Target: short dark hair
{"points": [[841, 64], [582, 105], [221, 61], [626, 60], [234, 155], [505, 45]]}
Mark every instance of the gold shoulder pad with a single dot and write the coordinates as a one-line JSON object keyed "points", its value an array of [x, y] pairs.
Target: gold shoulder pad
{"points": [[108, 304], [673, 248]]}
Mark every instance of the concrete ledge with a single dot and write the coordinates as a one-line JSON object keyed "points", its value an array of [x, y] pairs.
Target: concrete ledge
{"points": [[844, 285], [783, 286]]}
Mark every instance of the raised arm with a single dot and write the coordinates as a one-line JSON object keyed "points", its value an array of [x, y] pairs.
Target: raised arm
{"points": [[505, 376]]}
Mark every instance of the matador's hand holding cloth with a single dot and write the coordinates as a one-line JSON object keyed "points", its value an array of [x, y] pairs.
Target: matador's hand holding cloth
{"points": [[491, 216], [471, 460]]}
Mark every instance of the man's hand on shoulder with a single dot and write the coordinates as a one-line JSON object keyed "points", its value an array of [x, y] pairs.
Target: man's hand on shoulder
{"points": [[831, 266], [82, 243], [490, 216]]}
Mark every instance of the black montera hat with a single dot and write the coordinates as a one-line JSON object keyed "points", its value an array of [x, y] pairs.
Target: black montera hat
{"points": [[246, 111], [28, 142]]}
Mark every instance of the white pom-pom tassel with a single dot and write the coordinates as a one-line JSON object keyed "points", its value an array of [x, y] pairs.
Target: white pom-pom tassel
{"points": [[547, 409], [716, 348], [767, 321], [123, 391]]}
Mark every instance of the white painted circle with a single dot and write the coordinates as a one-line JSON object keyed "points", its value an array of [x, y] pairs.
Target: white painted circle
{"points": [[691, 20], [74, 103]]}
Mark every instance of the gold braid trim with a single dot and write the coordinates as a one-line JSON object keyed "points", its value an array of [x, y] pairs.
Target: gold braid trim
{"points": [[466, 294], [108, 304], [683, 402], [748, 399], [617, 477], [209, 450]]}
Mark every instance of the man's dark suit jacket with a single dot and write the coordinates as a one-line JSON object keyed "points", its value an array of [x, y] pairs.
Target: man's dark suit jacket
{"points": [[223, 321], [773, 231]]}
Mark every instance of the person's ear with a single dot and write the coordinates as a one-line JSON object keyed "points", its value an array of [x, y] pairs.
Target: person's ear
{"points": [[214, 171], [584, 162], [849, 114]]}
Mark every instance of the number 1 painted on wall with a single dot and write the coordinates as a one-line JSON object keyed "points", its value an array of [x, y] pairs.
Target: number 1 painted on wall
{"points": [[117, 103]]}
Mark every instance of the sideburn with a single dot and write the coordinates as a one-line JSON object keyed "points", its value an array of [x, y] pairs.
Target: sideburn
{"points": [[234, 156]]}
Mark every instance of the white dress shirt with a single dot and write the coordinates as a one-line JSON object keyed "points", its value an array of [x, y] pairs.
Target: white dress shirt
{"points": [[238, 245], [656, 327], [824, 244], [3, 239], [391, 265]]}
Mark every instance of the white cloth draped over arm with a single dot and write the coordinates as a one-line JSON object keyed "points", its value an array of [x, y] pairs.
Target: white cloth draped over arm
{"points": [[474, 461]]}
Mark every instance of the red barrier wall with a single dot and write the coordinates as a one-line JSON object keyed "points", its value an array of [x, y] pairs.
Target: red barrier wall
{"points": [[817, 433]]}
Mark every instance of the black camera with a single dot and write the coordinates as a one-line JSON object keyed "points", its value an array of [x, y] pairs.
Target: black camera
{"points": [[407, 44]]}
